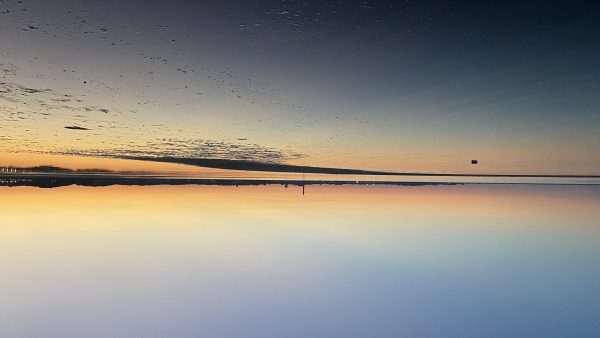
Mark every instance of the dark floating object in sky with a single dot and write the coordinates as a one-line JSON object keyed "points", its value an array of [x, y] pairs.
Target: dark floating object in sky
{"points": [[76, 128], [474, 161]]}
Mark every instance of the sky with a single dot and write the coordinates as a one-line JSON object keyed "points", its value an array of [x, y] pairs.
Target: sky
{"points": [[422, 86], [341, 261]]}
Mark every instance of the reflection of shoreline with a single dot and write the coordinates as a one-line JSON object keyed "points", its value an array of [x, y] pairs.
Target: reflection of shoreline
{"points": [[100, 180]]}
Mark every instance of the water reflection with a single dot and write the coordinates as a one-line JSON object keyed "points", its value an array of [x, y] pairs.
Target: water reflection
{"points": [[208, 261]]}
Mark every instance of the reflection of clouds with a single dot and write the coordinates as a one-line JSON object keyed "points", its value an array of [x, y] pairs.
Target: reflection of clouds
{"points": [[122, 38], [146, 62], [191, 149], [75, 114], [163, 80], [8, 69], [33, 99], [76, 128]]}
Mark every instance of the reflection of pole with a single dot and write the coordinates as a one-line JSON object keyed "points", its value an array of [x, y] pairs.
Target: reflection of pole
{"points": [[303, 178]]}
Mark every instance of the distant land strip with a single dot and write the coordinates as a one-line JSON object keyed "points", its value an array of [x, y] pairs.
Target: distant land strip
{"points": [[290, 168], [89, 180], [242, 165], [254, 166]]}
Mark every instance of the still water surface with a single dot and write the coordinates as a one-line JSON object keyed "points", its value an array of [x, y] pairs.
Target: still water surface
{"points": [[194, 261]]}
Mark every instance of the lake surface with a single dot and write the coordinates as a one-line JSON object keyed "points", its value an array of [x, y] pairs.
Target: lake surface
{"points": [[345, 261]]}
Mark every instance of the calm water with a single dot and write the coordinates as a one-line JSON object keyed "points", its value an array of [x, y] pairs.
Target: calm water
{"points": [[456, 261]]}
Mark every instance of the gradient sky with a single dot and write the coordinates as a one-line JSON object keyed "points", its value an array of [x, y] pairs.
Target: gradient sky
{"points": [[382, 85], [354, 261]]}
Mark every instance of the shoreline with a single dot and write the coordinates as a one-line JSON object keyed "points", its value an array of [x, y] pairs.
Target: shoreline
{"points": [[102, 180]]}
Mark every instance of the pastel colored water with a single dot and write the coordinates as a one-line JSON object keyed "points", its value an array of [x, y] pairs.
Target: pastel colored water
{"points": [[208, 261]]}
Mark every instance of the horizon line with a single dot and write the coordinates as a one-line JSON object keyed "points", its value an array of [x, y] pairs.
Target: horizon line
{"points": [[246, 165]]}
